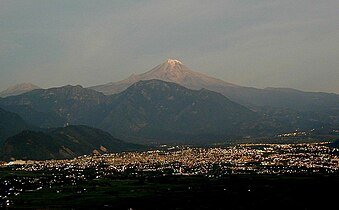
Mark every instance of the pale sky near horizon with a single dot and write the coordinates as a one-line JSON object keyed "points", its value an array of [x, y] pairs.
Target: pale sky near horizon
{"points": [[258, 43]]}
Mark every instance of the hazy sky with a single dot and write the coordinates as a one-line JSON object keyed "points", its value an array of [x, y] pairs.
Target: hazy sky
{"points": [[260, 43]]}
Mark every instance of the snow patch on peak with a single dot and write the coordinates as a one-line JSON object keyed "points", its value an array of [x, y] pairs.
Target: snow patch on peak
{"points": [[173, 62]]}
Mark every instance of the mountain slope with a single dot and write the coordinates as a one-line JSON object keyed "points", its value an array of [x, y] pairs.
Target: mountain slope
{"points": [[56, 107], [282, 98], [18, 89], [60, 143], [85, 139], [158, 111], [30, 145], [10, 124]]}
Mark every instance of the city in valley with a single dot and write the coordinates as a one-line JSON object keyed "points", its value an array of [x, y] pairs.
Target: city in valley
{"points": [[22, 180], [169, 105]]}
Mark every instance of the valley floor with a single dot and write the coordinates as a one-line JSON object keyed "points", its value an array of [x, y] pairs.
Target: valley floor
{"points": [[182, 192], [247, 176]]}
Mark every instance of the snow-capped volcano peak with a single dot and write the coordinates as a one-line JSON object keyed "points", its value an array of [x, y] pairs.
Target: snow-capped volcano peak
{"points": [[171, 71], [173, 62]]}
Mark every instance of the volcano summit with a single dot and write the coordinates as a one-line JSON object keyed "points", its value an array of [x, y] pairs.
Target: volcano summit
{"points": [[170, 71]]}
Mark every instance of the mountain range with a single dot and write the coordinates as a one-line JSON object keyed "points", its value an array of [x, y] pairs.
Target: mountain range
{"points": [[154, 110], [148, 111], [168, 104], [295, 109], [176, 72]]}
